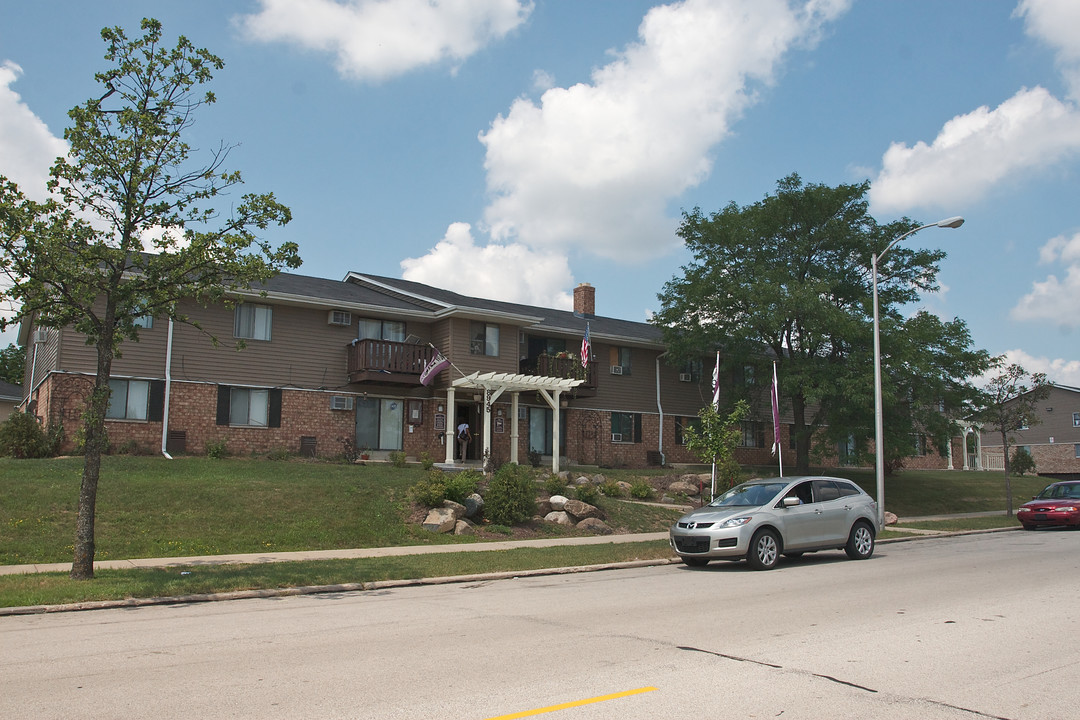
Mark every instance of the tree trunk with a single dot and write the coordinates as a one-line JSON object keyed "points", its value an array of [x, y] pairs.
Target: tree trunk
{"points": [[82, 566], [1008, 480]]}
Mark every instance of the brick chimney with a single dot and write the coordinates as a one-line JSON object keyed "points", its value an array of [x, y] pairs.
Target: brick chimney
{"points": [[584, 299]]}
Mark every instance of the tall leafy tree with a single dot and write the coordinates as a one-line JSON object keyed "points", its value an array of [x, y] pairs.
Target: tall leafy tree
{"points": [[131, 228], [1011, 402], [788, 278], [12, 364]]}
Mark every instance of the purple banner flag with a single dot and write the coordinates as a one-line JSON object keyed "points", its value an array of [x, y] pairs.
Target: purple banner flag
{"points": [[433, 368]]}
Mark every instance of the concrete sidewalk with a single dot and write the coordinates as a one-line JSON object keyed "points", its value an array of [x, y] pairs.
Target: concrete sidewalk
{"points": [[252, 558]]}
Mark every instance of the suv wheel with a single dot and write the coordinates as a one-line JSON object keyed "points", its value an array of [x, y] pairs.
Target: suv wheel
{"points": [[764, 550], [860, 544]]}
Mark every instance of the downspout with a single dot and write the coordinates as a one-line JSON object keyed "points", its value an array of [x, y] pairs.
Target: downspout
{"points": [[168, 386], [660, 407]]}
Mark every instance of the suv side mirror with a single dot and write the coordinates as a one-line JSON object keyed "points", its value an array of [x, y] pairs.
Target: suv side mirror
{"points": [[791, 501]]}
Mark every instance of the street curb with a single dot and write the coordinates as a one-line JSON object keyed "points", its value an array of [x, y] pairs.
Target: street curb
{"points": [[390, 584], [323, 589]]}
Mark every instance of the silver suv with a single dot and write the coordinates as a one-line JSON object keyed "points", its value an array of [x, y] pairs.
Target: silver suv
{"points": [[763, 519]]}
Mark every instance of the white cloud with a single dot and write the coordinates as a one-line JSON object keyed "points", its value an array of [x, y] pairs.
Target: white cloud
{"points": [[1058, 371], [972, 153], [1055, 300], [378, 39], [512, 273], [27, 148], [596, 164], [1055, 23]]}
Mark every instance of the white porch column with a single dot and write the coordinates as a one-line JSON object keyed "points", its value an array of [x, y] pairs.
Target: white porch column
{"points": [[950, 465], [514, 428], [451, 425], [555, 434], [486, 452]]}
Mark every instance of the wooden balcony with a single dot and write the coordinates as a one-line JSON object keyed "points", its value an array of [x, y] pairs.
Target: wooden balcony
{"points": [[564, 367], [386, 362]]}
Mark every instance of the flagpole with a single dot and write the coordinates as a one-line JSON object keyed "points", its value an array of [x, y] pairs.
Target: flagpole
{"points": [[777, 445], [716, 407]]}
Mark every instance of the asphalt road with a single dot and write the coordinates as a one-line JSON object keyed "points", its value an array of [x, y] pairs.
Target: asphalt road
{"points": [[980, 626]]}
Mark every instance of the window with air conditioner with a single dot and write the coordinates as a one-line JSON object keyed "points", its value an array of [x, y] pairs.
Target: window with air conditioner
{"points": [[339, 317], [620, 358], [686, 377], [625, 427], [341, 402]]}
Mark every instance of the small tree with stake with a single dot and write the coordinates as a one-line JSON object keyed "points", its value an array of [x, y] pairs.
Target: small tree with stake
{"points": [[716, 439], [1011, 401], [79, 260]]}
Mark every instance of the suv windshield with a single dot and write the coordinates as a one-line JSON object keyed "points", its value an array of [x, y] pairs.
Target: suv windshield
{"points": [[749, 495]]}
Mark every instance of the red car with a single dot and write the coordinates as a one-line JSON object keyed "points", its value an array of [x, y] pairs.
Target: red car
{"points": [[1057, 505]]}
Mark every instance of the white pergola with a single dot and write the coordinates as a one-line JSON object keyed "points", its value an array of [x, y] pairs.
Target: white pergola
{"points": [[493, 385]]}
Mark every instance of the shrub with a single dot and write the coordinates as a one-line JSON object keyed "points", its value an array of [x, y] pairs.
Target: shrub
{"points": [[587, 494], [611, 489], [555, 485], [1021, 462], [431, 490], [217, 449], [80, 440], [641, 490], [129, 447], [511, 496], [534, 458], [278, 454], [21, 437], [397, 458], [461, 485], [425, 460]]}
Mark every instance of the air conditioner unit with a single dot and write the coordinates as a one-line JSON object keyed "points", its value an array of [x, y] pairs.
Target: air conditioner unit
{"points": [[341, 402], [616, 369], [686, 377], [41, 335], [339, 317], [616, 437]]}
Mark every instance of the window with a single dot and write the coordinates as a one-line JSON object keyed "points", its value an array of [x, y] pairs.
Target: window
{"points": [[129, 400], [252, 322], [681, 424], [373, 329], [620, 357], [1076, 450], [379, 423], [1076, 419], [753, 434], [626, 427], [694, 368], [144, 321], [919, 444], [249, 407], [484, 339]]}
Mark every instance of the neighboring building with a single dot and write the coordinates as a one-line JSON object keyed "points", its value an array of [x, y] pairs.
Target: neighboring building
{"points": [[330, 365], [1054, 442], [10, 397]]}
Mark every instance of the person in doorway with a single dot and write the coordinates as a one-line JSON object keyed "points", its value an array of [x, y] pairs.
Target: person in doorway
{"points": [[464, 437]]}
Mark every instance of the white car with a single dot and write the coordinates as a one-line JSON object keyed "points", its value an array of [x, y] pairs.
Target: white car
{"points": [[764, 519]]}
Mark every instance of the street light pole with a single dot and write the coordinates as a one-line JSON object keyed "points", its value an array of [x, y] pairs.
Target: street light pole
{"points": [[879, 431]]}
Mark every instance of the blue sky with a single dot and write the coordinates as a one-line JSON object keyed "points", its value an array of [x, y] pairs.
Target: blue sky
{"points": [[512, 149]]}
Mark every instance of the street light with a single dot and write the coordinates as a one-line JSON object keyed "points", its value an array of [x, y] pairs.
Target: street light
{"points": [[879, 447]]}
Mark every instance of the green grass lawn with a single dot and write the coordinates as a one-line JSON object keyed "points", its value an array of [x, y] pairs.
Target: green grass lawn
{"points": [[152, 507]]}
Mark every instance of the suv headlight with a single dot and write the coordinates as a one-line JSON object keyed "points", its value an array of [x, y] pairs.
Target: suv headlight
{"points": [[735, 522]]}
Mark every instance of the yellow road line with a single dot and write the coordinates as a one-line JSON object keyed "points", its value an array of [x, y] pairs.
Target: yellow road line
{"points": [[576, 703]]}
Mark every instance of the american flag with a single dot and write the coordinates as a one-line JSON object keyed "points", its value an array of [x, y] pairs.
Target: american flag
{"points": [[585, 347], [775, 411]]}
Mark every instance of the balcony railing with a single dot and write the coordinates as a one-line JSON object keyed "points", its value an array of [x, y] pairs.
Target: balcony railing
{"points": [[386, 361]]}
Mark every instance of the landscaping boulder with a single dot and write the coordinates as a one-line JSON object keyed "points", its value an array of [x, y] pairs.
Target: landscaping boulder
{"points": [[595, 526], [624, 486], [890, 518], [559, 517], [440, 520], [474, 504], [457, 509], [580, 510], [464, 527], [543, 507], [558, 502], [684, 488]]}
